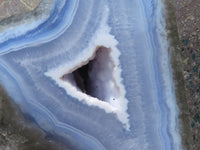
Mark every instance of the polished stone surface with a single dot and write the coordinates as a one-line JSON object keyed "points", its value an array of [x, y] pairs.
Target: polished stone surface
{"points": [[95, 73]]}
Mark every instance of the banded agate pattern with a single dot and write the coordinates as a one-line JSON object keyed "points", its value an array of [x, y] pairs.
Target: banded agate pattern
{"points": [[95, 73]]}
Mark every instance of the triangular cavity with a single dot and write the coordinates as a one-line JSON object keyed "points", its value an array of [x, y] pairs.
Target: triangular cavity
{"points": [[96, 77]]}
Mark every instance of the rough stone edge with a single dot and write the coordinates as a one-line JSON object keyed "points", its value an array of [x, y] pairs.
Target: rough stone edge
{"points": [[40, 11], [29, 5], [20, 132], [177, 70]]}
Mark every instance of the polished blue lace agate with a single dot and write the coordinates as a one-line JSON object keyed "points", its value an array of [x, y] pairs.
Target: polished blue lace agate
{"points": [[96, 74]]}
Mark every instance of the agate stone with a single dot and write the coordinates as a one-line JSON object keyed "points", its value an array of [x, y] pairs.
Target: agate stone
{"points": [[96, 74]]}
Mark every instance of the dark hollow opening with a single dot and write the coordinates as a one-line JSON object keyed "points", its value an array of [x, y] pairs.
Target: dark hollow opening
{"points": [[81, 77], [96, 77]]}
